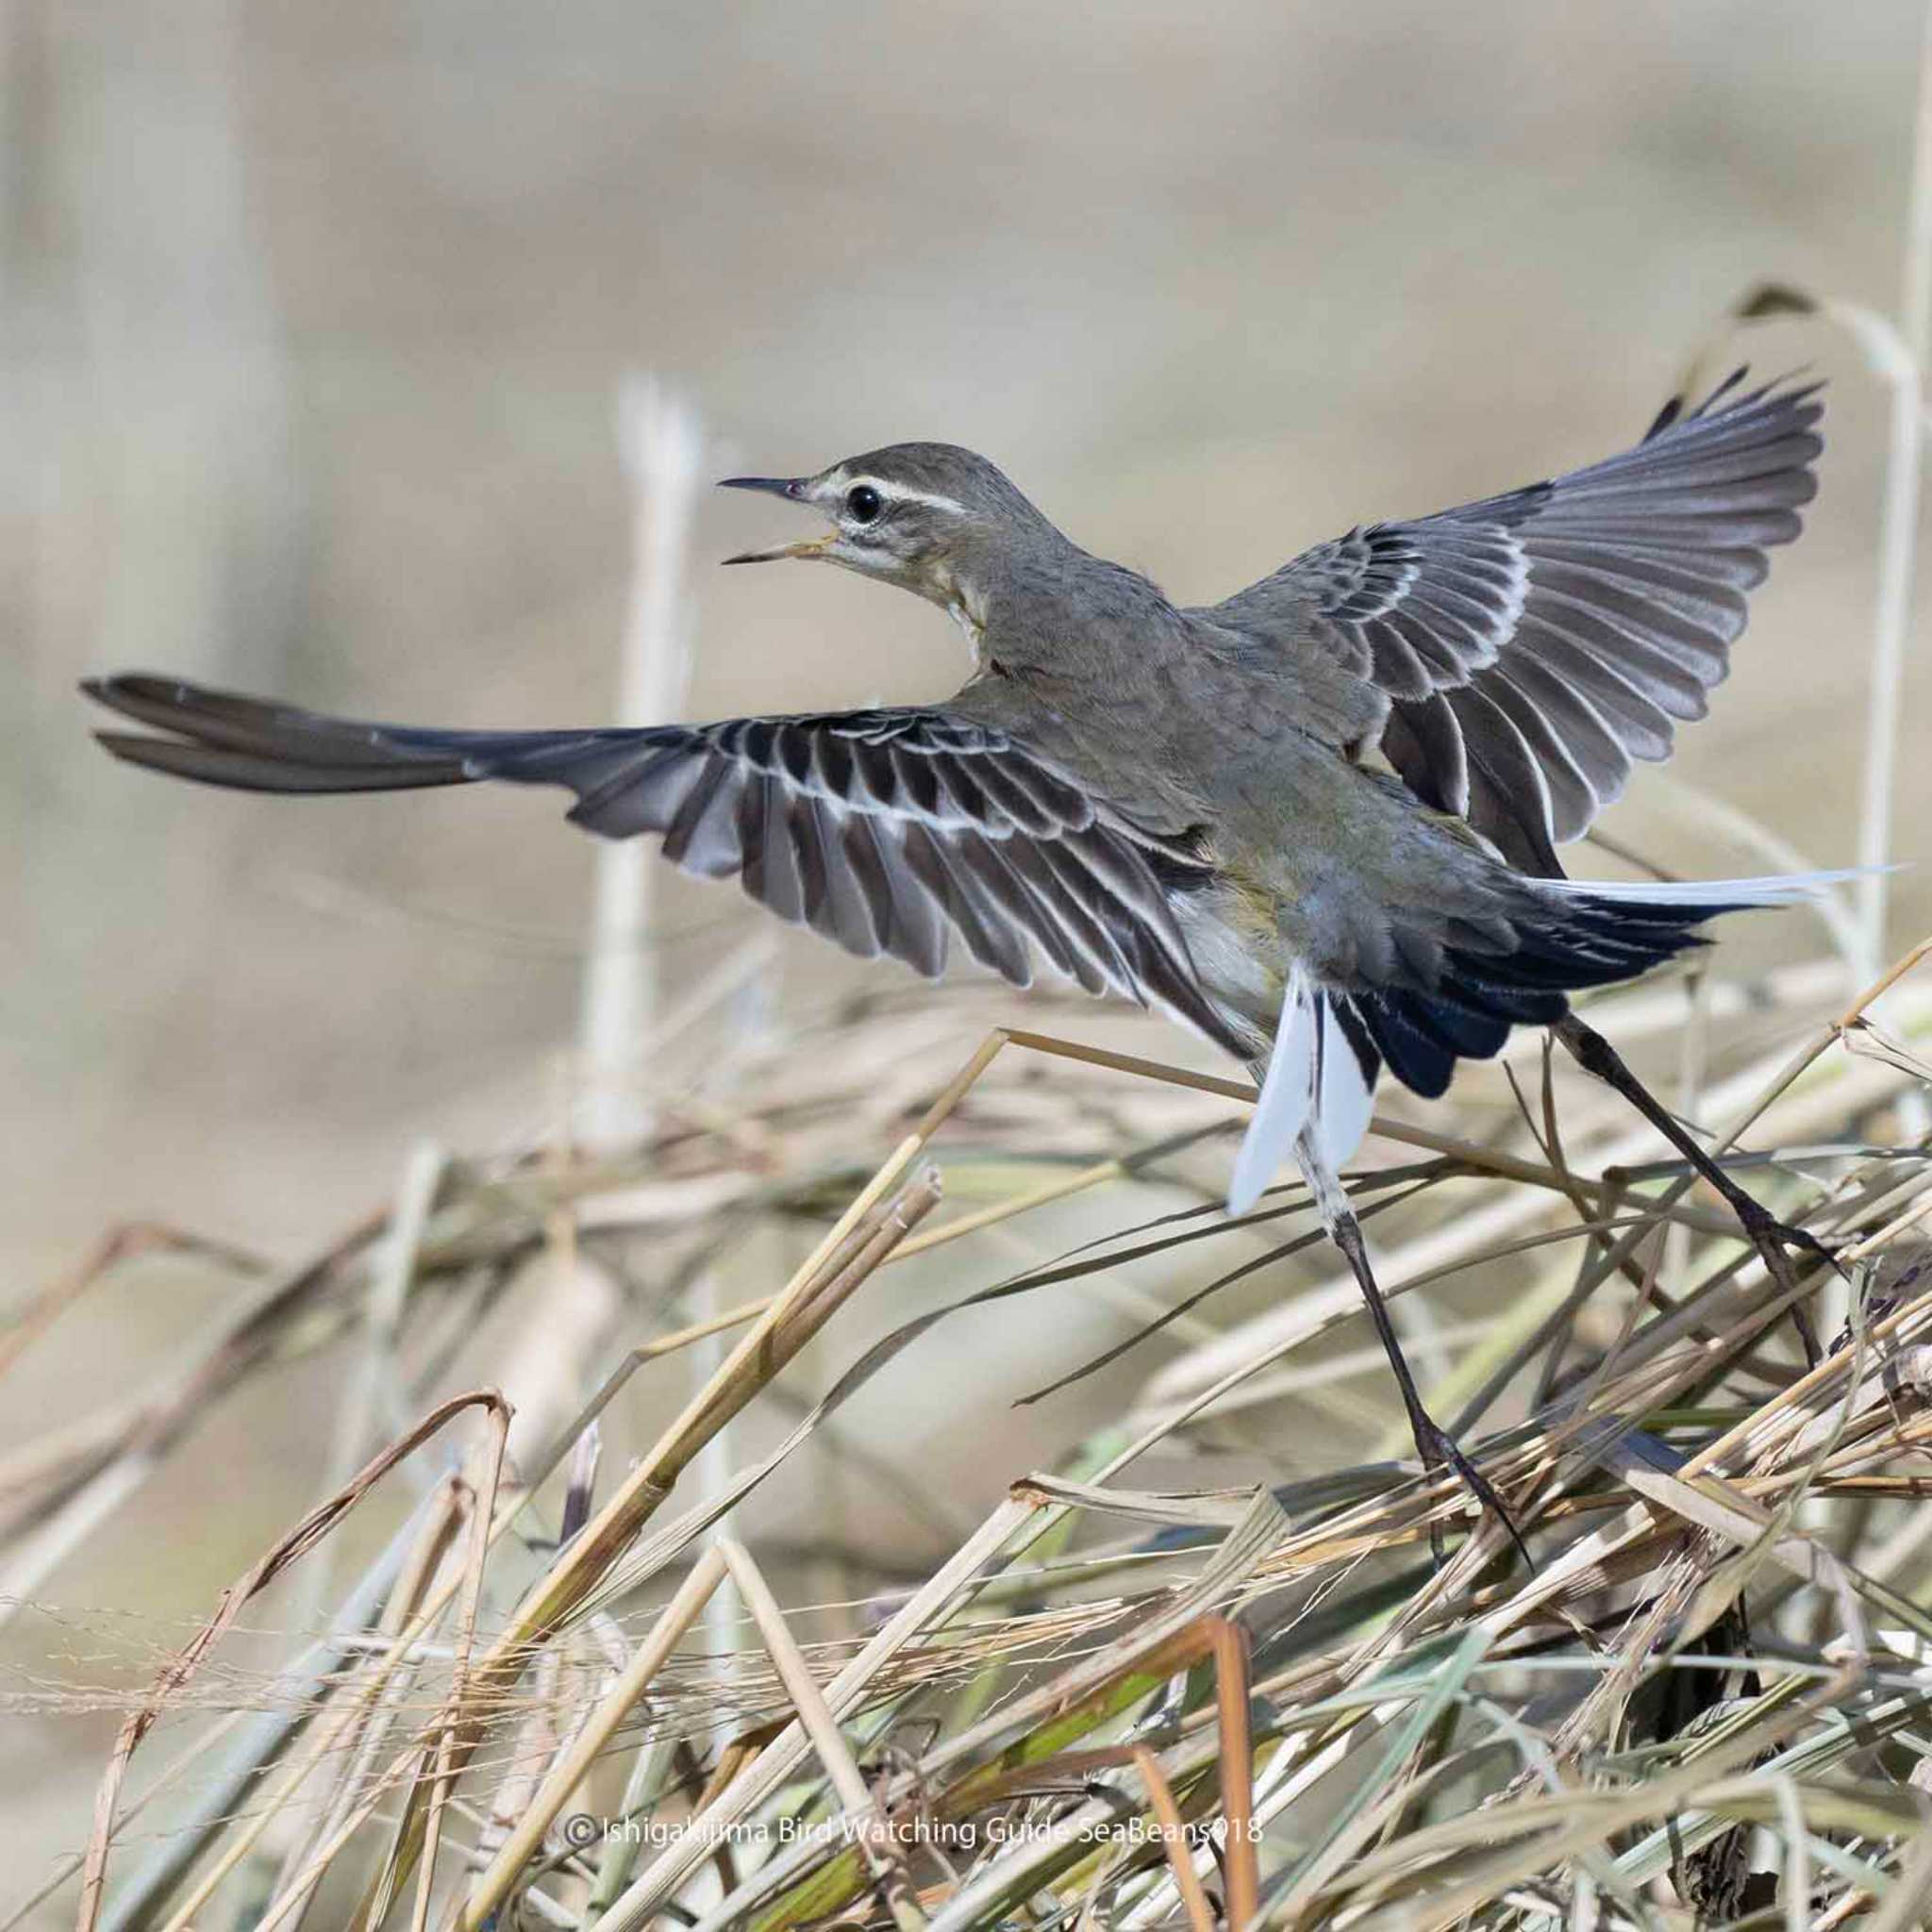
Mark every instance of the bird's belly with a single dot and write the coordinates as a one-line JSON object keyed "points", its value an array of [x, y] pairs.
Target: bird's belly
{"points": [[1238, 956]]}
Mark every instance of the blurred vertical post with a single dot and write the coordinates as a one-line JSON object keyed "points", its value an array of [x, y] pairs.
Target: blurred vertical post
{"points": [[1898, 533], [660, 442]]}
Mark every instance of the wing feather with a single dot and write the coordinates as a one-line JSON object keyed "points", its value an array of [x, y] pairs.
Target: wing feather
{"points": [[1526, 649], [885, 830]]}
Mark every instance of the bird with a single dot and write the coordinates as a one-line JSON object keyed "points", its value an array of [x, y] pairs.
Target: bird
{"points": [[1316, 823]]}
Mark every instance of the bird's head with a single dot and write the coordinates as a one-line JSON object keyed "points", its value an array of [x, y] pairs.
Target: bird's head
{"points": [[928, 516]]}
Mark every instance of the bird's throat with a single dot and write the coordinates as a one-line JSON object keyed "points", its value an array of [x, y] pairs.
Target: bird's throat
{"points": [[967, 612]]}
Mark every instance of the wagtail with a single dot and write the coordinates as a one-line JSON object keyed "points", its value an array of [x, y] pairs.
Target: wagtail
{"points": [[1317, 823]]}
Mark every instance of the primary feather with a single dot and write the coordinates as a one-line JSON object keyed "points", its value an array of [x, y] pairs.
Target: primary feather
{"points": [[1524, 649]]}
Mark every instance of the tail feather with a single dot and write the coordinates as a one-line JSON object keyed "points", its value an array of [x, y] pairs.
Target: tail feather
{"points": [[1595, 935], [1288, 1093], [1397, 1029], [1712, 895], [1329, 1046], [1320, 1079], [1344, 1085]]}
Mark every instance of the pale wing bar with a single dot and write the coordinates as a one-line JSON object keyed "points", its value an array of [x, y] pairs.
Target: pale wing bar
{"points": [[1531, 646], [884, 830]]}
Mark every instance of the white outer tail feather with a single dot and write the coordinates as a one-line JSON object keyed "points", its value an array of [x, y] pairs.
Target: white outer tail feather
{"points": [[1778, 889], [1288, 1093], [1345, 1100], [1314, 1080]]}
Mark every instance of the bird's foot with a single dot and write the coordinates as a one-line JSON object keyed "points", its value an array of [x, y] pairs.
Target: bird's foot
{"points": [[1438, 1450], [1785, 1251]]}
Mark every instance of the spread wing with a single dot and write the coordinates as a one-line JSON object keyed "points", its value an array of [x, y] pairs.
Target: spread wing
{"points": [[1526, 649], [885, 830]]}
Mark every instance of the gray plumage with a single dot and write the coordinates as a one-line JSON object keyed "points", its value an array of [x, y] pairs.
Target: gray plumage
{"points": [[1341, 788]]}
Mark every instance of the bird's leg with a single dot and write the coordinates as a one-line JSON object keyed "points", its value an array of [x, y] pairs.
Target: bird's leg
{"points": [[1762, 1229], [1434, 1445]]}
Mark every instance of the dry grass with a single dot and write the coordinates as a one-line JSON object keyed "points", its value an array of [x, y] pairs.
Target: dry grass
{"points": [[1717, 1665]]}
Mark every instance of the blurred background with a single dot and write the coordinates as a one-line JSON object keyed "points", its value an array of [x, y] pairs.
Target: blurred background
{"points": [[314, 324]]}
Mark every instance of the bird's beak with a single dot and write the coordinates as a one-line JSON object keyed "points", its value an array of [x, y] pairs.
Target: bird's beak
{"points": [[806, 546], [792, 488]]}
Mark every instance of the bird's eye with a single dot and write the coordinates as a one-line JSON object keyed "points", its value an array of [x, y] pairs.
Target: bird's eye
{"points": [[863, 503]]}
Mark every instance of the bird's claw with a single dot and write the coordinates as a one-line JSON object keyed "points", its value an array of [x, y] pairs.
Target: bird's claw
{"points": [[1771, 1237], [1438, 1450], [1778, 1242]]}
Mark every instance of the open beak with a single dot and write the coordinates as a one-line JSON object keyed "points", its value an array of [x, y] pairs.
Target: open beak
{"points": [[806, 546], [792, 488]]}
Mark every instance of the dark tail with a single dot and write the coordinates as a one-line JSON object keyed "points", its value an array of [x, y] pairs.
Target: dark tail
{"points": [[1590, 936]]}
